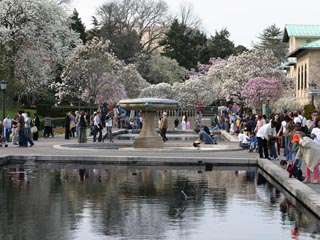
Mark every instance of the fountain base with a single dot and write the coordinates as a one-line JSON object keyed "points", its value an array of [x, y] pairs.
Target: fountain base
{"points": [[148, 142]]}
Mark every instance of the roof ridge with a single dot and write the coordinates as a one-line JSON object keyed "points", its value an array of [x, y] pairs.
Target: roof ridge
{"points": [[291, 24]]}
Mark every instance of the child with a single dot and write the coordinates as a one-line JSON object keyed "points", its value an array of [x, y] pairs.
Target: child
{"points": [[253, 141], [293, 170], [232, 129], [297, 134]]}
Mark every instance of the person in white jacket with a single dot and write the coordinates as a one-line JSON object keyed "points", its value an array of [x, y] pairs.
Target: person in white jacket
{"points": [[264, 133], [310, 151]]}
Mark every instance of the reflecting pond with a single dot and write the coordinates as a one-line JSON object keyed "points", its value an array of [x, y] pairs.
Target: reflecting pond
{"points": [[113, 202]]}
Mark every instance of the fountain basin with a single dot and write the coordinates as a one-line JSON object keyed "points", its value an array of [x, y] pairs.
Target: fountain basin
{"points": [[148, 137]]}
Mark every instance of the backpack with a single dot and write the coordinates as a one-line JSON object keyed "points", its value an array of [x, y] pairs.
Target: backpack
{"points": [[304, 128]]}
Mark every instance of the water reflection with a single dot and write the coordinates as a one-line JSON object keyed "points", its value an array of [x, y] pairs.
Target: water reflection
{"points": [[132, 203]]}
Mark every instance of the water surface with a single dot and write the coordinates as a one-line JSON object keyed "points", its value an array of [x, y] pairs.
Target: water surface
{"points": [[147, 203]]}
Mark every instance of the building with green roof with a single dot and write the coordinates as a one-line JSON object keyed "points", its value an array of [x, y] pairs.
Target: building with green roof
{"points": [[303, 63]]}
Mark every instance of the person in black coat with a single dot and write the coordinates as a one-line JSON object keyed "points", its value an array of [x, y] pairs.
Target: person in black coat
{"points": [[67, 126], [36, 122]]}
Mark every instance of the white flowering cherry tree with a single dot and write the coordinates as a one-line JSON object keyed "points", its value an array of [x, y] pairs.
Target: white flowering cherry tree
{"points": [[230, 76], [188, 93], [35, 37], [193, 91], [94, 69], [160, 90]]}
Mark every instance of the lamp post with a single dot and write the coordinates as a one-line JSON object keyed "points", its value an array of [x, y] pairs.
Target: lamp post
{"points": [[312, 87], [268, 107], [91, 97], [3, 85], [260, 103]]}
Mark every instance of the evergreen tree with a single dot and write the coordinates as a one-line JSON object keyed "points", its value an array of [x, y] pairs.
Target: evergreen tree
{"points": [[239, 50], [186, 45], [219, 45], [271, 39], [78, 26], [93, 32]]}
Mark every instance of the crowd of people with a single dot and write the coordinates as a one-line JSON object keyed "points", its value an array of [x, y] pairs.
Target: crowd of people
{"points": [[287, 131], [19, 129], [296, 134]]}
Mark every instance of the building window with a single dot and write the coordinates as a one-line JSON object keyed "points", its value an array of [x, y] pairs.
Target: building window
{"points": [[298, 78], [301, 77], [305, 76]]}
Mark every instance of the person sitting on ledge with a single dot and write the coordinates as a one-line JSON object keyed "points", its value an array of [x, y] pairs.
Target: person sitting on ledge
{"points": [[243, 140], [204, 137]]}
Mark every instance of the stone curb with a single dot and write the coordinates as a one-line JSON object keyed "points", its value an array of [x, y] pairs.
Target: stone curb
{"points": [[309, 197]]}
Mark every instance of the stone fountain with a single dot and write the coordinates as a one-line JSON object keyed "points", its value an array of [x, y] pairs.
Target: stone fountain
{"points": [[148, 137]]}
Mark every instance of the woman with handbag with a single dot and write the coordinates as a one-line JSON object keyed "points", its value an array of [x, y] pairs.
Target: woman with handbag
{"points": [[36, 123]]}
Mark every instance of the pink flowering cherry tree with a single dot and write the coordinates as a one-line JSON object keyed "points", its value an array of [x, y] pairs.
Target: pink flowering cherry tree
{"points": [[260, 88]]}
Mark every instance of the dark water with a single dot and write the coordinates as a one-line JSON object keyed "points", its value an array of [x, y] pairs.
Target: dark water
{"points": [[126, 203]]}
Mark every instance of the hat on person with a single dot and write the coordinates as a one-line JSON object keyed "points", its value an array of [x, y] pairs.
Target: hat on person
{"points": [[164, 113], [295, 138]]}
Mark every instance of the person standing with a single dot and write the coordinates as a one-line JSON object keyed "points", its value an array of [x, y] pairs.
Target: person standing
{"points": [[315, 133], [27, 126], [310, 151], [67, 126], [284, 132], [7, 125], [163, 127], [48, 126], [77, 119], [251, 124], [260, 123], [72, 124], [82, 136], [176, 124], [312, 124], [136, 120], [36, 122], [15, 130], [277, 121], [97, 127], [297, 134], [265, 133], [183, 123], [141, 119], [21, 128], [109, 118]]}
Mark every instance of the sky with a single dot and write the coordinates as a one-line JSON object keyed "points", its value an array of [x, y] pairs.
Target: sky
{"points": [[244, 19]]}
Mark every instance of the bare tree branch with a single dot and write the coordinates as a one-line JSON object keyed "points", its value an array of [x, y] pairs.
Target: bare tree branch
{"points": [[148, 18]]}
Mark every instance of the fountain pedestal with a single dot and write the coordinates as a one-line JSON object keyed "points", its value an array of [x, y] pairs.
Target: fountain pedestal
{"points": [[148, 137]]}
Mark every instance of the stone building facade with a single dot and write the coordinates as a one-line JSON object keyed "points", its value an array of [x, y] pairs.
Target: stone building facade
{"points": [[303, 61]]}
